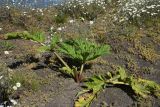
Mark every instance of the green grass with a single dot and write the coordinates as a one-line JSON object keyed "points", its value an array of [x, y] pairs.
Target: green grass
{"points": [[6, 45]]}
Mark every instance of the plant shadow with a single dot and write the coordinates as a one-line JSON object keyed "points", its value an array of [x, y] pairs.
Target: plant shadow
{"points": [[128, 90]]}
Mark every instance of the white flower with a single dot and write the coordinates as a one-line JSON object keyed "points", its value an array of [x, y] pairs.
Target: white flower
{"points": [[88, 3], [52, 28], [40, 10], [14, 87], [14, 102], [0, 29], [91, 22], [6, 52], [82, 18], [71, 21], [59, 29], [18, 84], [61, 40], [7, 7], [1, 77]]}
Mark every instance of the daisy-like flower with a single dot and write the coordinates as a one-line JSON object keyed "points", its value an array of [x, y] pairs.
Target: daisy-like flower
{"points": [[14, 102], [91, 22], [14, 87], [6, 52], [52, 28], [18, 84], [7, 7], [1, 77], [59, 29], [61, 40], [71, 21]]}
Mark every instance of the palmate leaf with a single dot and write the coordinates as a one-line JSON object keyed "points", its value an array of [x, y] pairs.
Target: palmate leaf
{"points": [[69, 50], [95, 83], [93, 86], [83, 50], [139, 89], [150, 86], [140, 86], [84, 100]]}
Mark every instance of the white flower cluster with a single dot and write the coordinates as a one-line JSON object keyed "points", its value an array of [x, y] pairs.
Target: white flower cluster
{"points": [[1, 77], [17, 86], [82, 3], [84, 7], [0, 29], [11, 90], [138, 8]]}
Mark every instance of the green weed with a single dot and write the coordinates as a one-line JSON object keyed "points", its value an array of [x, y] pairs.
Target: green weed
{"points": [[38, 36], [6, 45], [29, 80]]}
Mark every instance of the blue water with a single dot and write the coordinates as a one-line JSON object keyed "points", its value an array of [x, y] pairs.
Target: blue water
{"points": [[30, 3]]}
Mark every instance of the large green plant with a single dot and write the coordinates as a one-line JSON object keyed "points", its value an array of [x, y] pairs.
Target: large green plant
{"points": [[82, 51], [94, 85]]}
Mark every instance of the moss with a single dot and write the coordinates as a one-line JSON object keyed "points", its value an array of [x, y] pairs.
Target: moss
{"points": [[147, 70], [6, 46], [131, 50], [132, 64], [156, 40], [147, 53]]}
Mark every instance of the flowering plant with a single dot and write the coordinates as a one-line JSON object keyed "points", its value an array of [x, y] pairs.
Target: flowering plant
{"points": [[89, 9], [132, 9], [7, 91]]}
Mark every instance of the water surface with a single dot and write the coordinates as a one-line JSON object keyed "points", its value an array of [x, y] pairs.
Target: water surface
{"points": [[30, 3]]}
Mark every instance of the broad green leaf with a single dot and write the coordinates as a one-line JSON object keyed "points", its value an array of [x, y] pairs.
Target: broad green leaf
{"points": [[83, 50], [84, 100], [151, 86], [139, 88], [94, 86]]}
